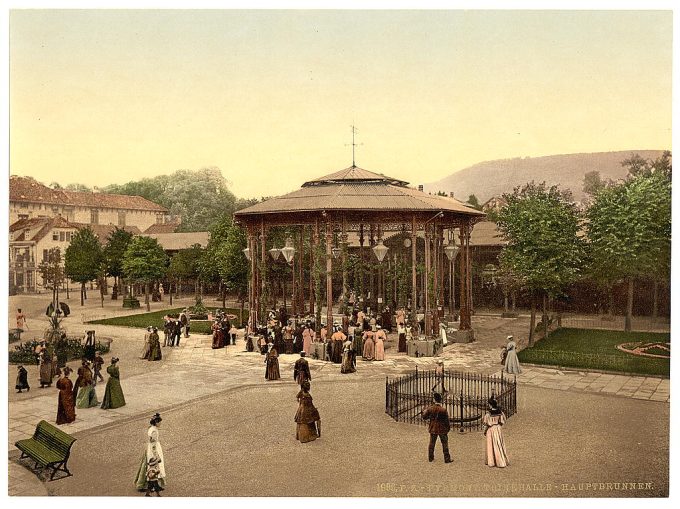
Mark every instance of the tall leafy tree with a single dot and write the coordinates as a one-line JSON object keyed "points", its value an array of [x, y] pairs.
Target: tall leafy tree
{"points": [[473, 201], [52, 272], [186, 264], [232, 265], [83, 259], [629, 227], [544, 252], [144, 262], [114, 251]]}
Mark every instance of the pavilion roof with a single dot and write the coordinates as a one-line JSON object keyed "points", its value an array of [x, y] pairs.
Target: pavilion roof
{"points": [[356, 189]]}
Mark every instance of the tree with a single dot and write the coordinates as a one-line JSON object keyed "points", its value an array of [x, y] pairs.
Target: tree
{"points": [[52, 273], [473, 201], [83, 259], [81, 188], [233, 266], [593, 183], [114, 251], [544, 252], [629, 227], [200, 197], [144, 261], [186, 264]]}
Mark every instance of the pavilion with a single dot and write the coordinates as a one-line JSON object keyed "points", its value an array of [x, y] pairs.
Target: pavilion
{"points": [[373, 206]]}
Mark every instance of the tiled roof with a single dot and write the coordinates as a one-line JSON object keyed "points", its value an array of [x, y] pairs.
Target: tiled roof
{"points": [[485, 233], [162, 228], [177, 241], [356, 174], [37, 227], [102, 231], [27, 189]]}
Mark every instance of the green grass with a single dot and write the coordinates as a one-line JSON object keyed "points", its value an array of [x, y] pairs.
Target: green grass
{"points": [[596, 349], [156, 318]]}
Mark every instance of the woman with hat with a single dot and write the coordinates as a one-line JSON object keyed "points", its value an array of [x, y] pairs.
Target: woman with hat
{"points": [[380, 338], [22, 380], [272, 362], [87, 397], [218, 335], [307, 416], [511, 361], [347, 358], [146, 350], [496, 455], [369, 346], [66, 409], [113, 395], [46, 364], [153, 451], [155, 345]]}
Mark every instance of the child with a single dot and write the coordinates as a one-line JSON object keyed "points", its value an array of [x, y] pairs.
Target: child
{"points": [[152, 473], [22, 380]]}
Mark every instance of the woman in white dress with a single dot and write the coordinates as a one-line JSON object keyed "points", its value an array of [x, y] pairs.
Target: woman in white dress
{"points": [[511, 362], [496, 455], [153, 450]]}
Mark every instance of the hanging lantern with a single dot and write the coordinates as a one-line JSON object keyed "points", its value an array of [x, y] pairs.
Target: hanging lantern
{"points": [[451, 251], [336, 252], [274, 253], [380, 251], [246, 252], [288, 251]]}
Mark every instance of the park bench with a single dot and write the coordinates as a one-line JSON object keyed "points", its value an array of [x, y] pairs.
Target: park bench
{"points": [[49, 447]]}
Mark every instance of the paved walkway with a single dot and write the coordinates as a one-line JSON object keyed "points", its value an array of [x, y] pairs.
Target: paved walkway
{"points": [[194, 370]]}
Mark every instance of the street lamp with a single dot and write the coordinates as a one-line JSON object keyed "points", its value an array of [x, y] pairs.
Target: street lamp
{"points": [[274, 253], [288, 251], [246, 252], [451, 251], [380, 251], [336, 252]]}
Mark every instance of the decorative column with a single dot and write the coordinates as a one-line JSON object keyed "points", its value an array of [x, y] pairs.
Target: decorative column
{"points": [[313, 269], [414, 276], [301, 284], [329, 275], [252, 294], [466, 282], [343, 241], [371, 245], [428, 268], [361, 267]]}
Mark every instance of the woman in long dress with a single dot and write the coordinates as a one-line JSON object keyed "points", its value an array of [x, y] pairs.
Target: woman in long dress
{"points": [[379, 339], [153, 450], [218, 337], [155, 353], [496, 455], [401, 329], [307, 416], [46, 368], [147, 346], [347, 364], [22, 380], [307, 336], [369, 346], [66, 409], [113, 395], [87, 397], [511, 361], [272, 362]]}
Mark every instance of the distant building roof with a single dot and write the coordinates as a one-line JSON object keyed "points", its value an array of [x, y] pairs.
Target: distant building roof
{"points": [[485, 233], [27, 189], [162, 228], [177, 241], [34, 229], [102, 231]]}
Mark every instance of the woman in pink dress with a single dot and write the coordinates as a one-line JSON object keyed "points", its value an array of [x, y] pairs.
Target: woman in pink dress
{"points": [[496, 455], [307, 336], [369, 346], [379, 339]]}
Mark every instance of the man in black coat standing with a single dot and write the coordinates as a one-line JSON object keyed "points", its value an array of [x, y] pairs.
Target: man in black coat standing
{"points": [[301, 370], [439, 427]]}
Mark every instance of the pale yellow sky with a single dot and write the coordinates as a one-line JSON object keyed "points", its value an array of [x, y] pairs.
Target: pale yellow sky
{"points": [[104, 97]]}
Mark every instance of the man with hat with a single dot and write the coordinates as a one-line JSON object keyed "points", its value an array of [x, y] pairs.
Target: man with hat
{"points": [[439, 426], [301, 369], [97, 366]]}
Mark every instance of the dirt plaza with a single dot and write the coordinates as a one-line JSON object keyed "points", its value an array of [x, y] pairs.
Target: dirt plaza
{"points": [[228, 432]]}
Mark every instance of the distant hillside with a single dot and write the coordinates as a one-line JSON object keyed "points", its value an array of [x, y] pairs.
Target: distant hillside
{"points": [[493, 178]]}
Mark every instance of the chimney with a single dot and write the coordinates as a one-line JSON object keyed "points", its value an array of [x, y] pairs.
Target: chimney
{"points": [[450, 194], [420, 187]]}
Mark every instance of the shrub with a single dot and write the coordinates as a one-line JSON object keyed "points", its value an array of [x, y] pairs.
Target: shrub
{"points": [[25, 352]]}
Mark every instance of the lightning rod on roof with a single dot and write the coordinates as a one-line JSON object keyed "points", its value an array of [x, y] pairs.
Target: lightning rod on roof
{"points": [[354, 131]]}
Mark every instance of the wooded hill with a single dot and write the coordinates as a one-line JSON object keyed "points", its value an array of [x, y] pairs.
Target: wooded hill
{"points": [[493, 178]]}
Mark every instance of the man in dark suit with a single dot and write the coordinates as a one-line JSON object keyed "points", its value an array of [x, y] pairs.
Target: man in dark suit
{"points": [[301, 369], [439, 427]]}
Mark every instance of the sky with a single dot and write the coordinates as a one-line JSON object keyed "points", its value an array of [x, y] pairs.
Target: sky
{"points": [[108, 96]]}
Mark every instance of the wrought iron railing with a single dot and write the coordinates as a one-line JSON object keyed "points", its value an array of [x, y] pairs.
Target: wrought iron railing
{"points": [[465, 396]]}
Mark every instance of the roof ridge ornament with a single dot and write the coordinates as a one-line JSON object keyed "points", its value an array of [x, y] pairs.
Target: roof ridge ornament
{"points": [[354, 145]]}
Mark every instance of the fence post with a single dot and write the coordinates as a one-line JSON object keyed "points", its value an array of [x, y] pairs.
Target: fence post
{"points": [[461, 412]]}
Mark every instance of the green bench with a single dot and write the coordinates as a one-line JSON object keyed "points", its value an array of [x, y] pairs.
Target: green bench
{"points": [[49, 447]]}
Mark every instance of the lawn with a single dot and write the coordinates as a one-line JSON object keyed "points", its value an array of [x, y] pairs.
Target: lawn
{"points": [[596, 349], [156, 318]]}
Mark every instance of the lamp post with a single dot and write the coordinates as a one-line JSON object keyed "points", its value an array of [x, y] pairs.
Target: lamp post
{"points": [[288, 253], [451, 251], [380, 251]]}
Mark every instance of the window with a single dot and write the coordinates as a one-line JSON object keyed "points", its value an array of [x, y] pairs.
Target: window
{"points": [[23, 216], [69, 213], [94, 216], [68, 236], [23, 205], [55, 210], [55, 235], [62, 236], [121, 218], [159, 218]]}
